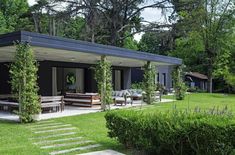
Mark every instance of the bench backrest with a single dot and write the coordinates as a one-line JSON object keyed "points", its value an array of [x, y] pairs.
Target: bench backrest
{"points": [[82, 96], [46, 99], [6, 96]]}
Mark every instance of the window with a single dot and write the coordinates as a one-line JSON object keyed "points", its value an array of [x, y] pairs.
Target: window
{"points": [[158, 77], [164, 79]]}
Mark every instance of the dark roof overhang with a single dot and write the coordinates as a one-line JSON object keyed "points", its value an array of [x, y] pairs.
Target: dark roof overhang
{"points": [[42, 40]]}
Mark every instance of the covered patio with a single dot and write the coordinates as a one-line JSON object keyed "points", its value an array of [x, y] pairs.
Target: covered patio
{"points": [[61, 58], [75, 110]]}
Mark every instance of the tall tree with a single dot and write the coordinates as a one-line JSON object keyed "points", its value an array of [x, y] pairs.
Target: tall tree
{"points": [[108, 21], [157, 42], [44, 15], [3, 25], [209, 21], [12, 15]]}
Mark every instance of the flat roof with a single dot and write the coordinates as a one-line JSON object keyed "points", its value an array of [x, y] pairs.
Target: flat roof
{"points": [[54, 42]]}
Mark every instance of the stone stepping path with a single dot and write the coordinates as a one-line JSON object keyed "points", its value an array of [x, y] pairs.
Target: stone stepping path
{"points": [[53, 130], [75, 149], [43, 125], [104, 152], [43, 122], [59, 138], [50, 127], [66, 144], [56, 135]]}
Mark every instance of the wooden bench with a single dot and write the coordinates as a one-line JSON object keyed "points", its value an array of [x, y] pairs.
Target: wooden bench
{"points": [[4, 104], [52, 102], [47, 102], [79, 99], [7, 102]]}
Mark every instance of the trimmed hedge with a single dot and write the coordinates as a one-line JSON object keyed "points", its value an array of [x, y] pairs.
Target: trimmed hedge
{"points": [[172, 133]]}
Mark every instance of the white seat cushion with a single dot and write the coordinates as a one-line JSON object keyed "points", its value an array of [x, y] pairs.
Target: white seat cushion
{"points": [[119, 98]]}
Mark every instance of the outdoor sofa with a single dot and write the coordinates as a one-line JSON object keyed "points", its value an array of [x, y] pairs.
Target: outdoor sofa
{"points": [[130, 95], [79, 99]]}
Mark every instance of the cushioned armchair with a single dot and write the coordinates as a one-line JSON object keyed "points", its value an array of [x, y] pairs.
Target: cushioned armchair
{"points": [[121, 97], [136, 94]]}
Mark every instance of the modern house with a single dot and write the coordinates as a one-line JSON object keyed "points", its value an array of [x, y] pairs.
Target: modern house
{"points": [[61, 59]]}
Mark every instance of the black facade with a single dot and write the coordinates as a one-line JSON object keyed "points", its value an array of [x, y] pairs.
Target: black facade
{"points": [[45, 76], [4, 79], [137, 75]]}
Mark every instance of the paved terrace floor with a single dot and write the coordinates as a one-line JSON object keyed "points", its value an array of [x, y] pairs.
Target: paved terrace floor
{"points": [[72, 111]]}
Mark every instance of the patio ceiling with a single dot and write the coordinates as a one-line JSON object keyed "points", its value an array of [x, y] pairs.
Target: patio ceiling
{"points": [[43, 54], [68, 50]]}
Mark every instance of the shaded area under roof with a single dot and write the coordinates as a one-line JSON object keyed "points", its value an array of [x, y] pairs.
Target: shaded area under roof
{"points": [[41, 40]]}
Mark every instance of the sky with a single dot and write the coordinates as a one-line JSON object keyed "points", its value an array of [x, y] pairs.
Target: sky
{"points": [[149, 14]]}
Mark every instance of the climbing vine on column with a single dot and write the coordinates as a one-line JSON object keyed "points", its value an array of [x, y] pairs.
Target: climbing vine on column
{"points": [[23, 80], [149, 81], [103, 77], [178, 83]]}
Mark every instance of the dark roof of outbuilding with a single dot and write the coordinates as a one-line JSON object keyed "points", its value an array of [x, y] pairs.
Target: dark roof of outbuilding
{"points": [[42, 40], [197, 75]]}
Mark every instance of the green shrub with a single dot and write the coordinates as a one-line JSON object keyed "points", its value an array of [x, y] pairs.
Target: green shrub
{"points": [[180, 91], [172, 133], [137, 85], [160, 87]]}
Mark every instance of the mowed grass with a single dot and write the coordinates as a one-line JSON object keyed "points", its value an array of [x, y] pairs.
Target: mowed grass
{"points": [[201, 100], [93, 127], [15, 138]]}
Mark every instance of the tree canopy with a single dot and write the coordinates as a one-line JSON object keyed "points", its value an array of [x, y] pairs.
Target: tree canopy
{"points": [[201, 32]]}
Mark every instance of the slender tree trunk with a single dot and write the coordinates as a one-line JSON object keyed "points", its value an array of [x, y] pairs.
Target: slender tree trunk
{"points": [[92, 35], [210, 84], [53, 26], [50, 25], [36, 23]]}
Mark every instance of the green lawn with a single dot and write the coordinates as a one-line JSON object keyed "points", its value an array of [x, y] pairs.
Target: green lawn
{"points": [[15, 138], [202, 100]]}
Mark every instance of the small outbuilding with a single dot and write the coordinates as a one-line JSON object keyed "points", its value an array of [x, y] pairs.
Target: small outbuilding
{"points": [[196, 80]]}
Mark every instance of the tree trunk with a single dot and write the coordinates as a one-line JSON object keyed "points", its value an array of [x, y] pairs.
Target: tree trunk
{"points": [[36, 23], [210, 84], [53, 26], [93, 37]]}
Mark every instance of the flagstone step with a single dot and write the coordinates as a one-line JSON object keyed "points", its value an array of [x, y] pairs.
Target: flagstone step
{"points": [[75, 149], [56, 135], [47, 121], [57, 140], [44, 125], [103, 152], [60, 129], [51, 127], [65, 144]]}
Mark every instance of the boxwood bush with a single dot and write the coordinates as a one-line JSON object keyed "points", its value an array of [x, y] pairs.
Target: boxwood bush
{"points": [[172, 133]]}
